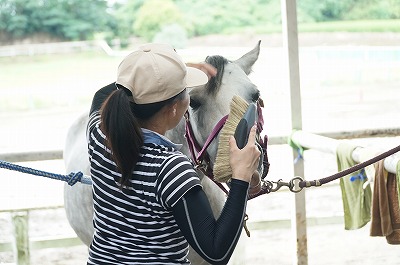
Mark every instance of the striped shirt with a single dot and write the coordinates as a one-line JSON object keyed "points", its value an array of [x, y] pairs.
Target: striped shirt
{"points": [[135, 225]]}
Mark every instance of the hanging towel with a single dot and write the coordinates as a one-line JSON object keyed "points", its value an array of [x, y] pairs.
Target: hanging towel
{"points": [[398, 180], [356, 198], [385, 205], [366, 154]]}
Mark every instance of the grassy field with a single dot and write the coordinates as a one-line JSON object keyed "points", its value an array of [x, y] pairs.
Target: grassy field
{"points": [[343, 88], [336, 82], [391, 25], [46, 81], [69, 80], [352, 26]]}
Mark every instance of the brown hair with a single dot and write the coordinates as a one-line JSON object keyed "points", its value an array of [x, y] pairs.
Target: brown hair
{"points": [[120, 122]]}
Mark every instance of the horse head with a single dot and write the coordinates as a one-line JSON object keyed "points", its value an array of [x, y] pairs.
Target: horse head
{"points": [[209, 104]]}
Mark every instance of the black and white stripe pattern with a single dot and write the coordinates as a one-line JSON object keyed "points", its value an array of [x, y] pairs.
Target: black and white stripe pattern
{"points": [[135, 225]]}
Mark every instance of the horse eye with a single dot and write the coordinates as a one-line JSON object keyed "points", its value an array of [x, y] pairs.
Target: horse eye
{"points": [[194, 104], [255, 96]]}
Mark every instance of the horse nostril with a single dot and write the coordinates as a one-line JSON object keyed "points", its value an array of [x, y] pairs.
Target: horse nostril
{"points": [[255, 183], [255, 178]]}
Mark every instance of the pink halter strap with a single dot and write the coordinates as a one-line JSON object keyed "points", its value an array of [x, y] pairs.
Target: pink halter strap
{"points": [[193, 144]]}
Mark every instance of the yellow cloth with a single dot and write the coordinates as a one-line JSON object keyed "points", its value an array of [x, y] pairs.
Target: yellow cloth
{"points": [[356, 198], [385, 205]]}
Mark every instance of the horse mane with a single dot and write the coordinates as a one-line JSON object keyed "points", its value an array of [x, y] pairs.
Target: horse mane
{"points": [[219, 63]]}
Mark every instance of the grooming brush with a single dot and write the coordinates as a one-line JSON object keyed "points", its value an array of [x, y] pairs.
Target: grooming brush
{"points": [[241, 118], [243, 128]]}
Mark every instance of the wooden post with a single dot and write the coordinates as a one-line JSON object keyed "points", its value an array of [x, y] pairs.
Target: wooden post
{"points": [[290, 44], [21, 237]]}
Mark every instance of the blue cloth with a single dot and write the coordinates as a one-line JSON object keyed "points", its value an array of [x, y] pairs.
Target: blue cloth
{"points": [[295, 145], [156, 138]]}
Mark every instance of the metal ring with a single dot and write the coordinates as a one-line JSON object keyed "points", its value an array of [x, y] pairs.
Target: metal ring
{"points": [[293, 187]]}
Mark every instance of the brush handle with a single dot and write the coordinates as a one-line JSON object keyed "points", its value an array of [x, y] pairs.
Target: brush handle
{"points": [[244, 126], [242, 133]]}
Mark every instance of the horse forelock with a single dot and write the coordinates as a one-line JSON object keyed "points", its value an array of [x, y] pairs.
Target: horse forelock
{"points": [[219, 63]]}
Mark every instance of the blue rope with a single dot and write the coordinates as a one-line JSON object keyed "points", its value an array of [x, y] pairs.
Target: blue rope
{"points": [[299, 156], [72, 178]]}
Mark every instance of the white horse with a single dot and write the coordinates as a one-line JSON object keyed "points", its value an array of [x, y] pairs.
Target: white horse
{"points": [[208, 104]]}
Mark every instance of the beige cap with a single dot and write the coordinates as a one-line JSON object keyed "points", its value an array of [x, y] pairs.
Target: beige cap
{"points": [[155, 72]]}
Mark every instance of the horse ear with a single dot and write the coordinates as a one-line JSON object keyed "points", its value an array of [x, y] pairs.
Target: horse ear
{"points": [[246, 61]]}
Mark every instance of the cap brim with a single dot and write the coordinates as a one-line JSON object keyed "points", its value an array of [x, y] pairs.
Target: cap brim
{"points": [[195, 77]]}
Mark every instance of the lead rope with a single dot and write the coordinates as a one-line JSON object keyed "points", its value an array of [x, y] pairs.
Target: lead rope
{"points": [[297, 184], [71, 178], [316, 183]]}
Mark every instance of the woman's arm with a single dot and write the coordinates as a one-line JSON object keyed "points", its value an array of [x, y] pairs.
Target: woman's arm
{"points": [[214, 240]]}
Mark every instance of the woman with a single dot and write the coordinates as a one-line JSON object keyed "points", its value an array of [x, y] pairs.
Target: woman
{"points": [[148, 200]]}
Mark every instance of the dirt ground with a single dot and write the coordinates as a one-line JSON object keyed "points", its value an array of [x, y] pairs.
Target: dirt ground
{"points": [[327, 243]]}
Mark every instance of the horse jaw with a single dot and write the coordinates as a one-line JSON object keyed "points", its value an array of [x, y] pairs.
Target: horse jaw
{"points": [[246, 61]]}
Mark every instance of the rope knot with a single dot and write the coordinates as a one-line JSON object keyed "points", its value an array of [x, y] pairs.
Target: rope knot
{"points": [[74, 178]]}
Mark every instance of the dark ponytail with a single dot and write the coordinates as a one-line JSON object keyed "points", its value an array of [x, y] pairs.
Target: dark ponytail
{"points": [[120, 122], [124, 136]]}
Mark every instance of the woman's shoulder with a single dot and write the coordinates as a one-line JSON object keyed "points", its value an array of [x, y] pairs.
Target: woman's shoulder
{"points": [[177, 163], [177, 175]]}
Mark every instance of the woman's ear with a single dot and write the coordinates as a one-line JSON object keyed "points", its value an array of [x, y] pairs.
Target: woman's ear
{"points": [[171, 109], [175, 108]]}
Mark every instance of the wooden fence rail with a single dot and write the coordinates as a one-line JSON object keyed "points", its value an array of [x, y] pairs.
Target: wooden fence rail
{"points": [[22, 244], [329, 145]]}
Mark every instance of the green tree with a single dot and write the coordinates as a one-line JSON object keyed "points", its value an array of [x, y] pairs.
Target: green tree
{"points": [[81, 19], [209, 17], [125, 16], [65, 19], [153, 15], [325, 10], [374, 9]]}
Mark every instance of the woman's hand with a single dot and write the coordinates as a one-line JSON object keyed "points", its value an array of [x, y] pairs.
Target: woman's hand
{"points": [[244, 161], [205, 67]]}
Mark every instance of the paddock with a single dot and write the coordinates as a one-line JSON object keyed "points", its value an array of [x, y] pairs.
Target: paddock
{"points": [[316, 110], [270, 215]]}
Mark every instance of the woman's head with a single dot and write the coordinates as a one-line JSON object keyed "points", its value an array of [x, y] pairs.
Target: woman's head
{"points": [[149, 80], [155, 73]]}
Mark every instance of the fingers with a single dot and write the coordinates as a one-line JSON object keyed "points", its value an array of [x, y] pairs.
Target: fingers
{"points": [[244, 161], [252, 135], [208, 69], [251, 140]]}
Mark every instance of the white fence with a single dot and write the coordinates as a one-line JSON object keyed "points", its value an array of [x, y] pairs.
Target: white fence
{"points": [[56, 48], [22, 243]]}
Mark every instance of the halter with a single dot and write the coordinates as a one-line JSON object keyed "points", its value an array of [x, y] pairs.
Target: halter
{"points": [[202, 159]]}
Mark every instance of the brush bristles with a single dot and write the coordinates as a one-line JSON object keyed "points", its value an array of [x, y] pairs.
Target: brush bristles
{"points": [[222, 168]]}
